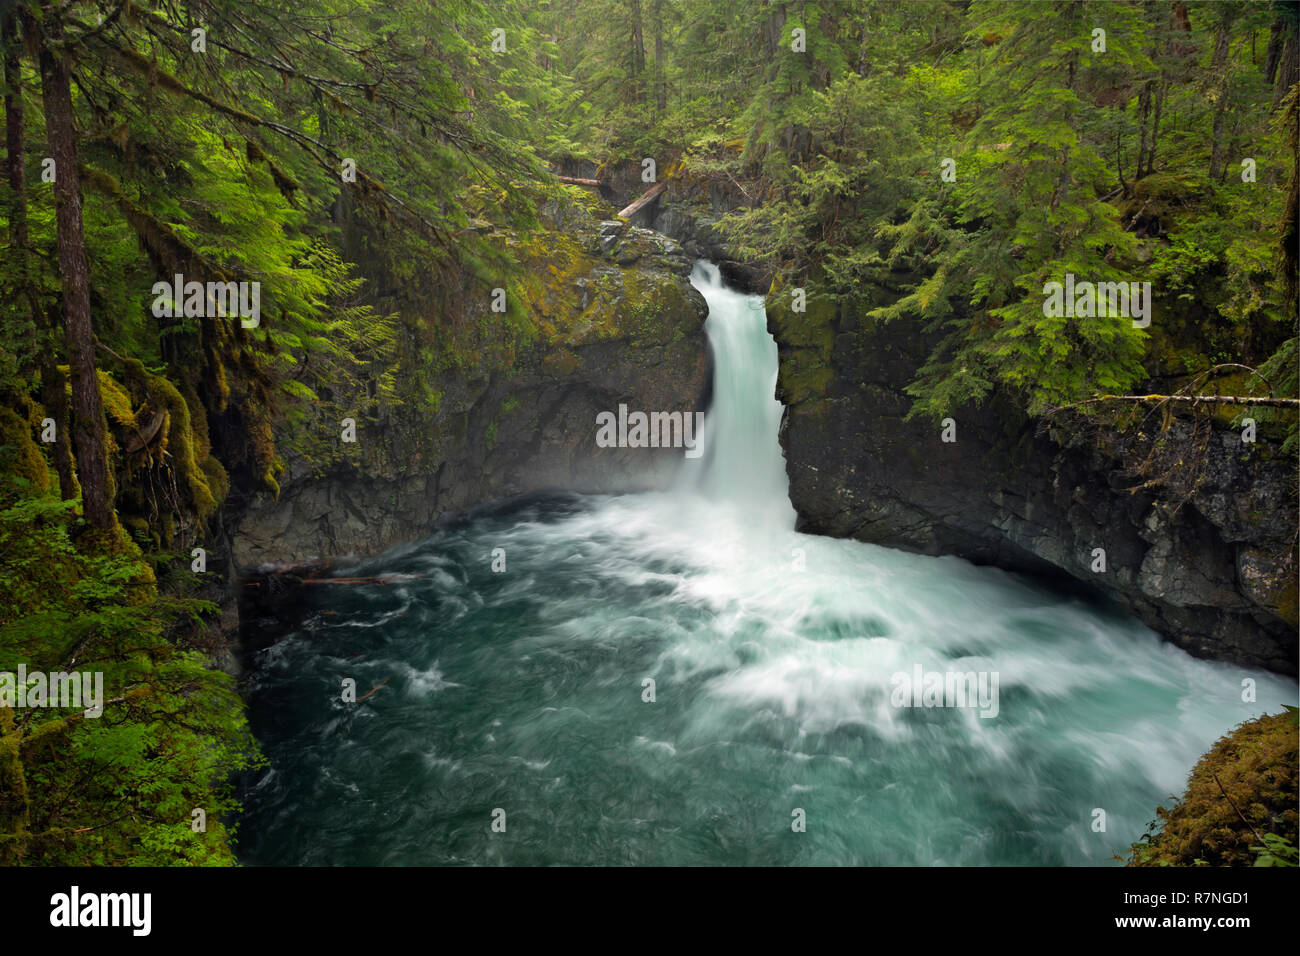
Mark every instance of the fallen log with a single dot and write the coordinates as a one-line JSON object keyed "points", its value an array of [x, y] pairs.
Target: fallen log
{"points": [[653, 193], [380, 579], [577, 181]]}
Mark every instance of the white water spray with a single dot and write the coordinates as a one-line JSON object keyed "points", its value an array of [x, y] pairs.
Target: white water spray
{"points": [[771, 655]]}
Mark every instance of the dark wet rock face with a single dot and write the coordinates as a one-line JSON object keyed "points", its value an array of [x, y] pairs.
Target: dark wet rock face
{"points": [[1215, 574], [619, 323], [1213, 570]]}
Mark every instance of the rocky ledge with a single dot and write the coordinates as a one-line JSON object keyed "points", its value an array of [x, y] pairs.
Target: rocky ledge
{"points": [[612, 320], [1209, 562]]}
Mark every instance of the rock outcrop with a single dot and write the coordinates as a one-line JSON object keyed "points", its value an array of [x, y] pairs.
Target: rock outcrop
{"points": [[1213, 570], [612, 319]]}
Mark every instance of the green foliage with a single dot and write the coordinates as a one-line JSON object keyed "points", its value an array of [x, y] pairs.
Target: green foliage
{"points": [[1067, 160], [1276, 851], [119, 788]]}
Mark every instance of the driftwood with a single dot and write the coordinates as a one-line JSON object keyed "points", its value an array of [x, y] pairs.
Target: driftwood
{"points": [[143, 437], [653, 193], [381, 579], [373, 689]]}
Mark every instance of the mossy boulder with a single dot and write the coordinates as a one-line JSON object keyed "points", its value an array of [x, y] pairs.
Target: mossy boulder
{"points": [[1243, 789]]}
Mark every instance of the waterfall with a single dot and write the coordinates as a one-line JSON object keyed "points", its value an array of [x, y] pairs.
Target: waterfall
{"points": [[742, 465], [671, 678]]}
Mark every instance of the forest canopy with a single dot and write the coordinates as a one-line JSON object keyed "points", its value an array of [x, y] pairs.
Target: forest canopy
{"points": [[939, 164]]}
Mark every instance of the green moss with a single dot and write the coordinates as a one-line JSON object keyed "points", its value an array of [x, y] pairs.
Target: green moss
{"points": [[217, 479], [808, 337], [561, 364], [22, 456], [13, 792], [117, 403], [804, 376], [1249, 773], [180, 444]]}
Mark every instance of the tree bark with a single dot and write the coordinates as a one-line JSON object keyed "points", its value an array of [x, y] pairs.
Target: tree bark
{"points": [[1219, 69], [52, 382], [661, 82], [1288, 72], [74, 275], [1161, 89], [1143, 119], [638, 53], [1273, 54]]}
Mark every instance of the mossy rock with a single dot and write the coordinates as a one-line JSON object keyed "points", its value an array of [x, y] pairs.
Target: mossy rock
{"points": [[804, 376], [561, 364], [814, 327], [1251, 773]]}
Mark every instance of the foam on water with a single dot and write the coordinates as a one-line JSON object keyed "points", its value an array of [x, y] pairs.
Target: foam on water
{"points": [[523, 691]]}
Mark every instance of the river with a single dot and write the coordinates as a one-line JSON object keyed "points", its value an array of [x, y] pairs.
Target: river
{"points": [[681, 678]]}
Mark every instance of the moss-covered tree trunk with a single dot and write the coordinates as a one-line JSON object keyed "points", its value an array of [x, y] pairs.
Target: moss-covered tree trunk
{"points": [[74, 273], [52, 381], [13, 792], [1219, 69]]}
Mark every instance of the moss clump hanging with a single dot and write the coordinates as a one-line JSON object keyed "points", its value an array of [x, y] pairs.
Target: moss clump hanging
{"points": [[261, 441], [117, 403], [1251, 774], [22, 455], [13, 792], [184, 436]]}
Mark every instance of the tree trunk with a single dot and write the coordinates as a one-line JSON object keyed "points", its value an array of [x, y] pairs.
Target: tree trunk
{"points": [[1288, 72], [638, 53], [1289, 228], [1219, 69], [74, 275], [661, 82], [1161, 89], [1143, 119], [1273, 55], [52, 382]]}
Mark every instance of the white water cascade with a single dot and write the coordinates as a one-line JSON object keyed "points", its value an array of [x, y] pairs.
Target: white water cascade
{"points": [[668, 678]]}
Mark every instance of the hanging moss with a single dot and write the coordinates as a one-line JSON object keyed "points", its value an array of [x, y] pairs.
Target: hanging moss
{"points": [[180, 444], [117, 403], [185, 435], [261, 443], [22, 456], [218, 480], [198, 423]]}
